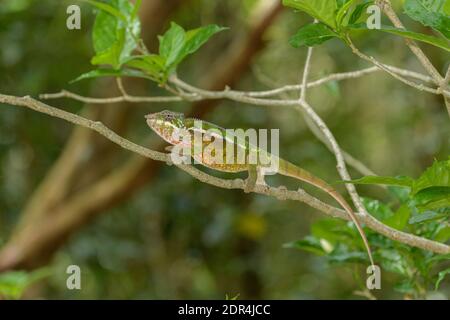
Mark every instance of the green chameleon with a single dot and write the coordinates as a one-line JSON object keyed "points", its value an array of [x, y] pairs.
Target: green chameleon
{"points": [[171, 126]]}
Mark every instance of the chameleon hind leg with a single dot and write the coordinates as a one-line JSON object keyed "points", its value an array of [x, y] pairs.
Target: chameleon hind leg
{"points": [[255, 177]]}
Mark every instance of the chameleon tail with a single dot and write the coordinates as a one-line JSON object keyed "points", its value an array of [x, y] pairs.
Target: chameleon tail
{"points": [[352, 215], [291, 170]]}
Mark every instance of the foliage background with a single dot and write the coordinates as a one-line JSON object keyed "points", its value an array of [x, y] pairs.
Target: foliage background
{"points": [[178, 238]]}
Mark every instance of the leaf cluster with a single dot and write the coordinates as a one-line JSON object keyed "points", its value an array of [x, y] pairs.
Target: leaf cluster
{"points": [[419, 206], [338, 18], [120, 51]]}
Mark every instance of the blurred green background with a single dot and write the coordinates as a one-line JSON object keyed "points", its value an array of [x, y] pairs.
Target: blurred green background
{"points": [[171, 236]]}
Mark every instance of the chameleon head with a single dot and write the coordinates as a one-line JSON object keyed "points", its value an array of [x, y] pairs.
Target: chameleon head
{"points": [[166, 124]]}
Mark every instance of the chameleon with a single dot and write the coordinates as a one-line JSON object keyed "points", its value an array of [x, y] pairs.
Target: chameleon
{"points": [[170, 126]]}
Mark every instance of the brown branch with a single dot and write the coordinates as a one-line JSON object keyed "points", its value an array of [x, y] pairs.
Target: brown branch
{"points": [[307, 110], [386, 6], [67, 219], [418, 86], [119, 99], [349, 159], [234, 93], [421, 56]]}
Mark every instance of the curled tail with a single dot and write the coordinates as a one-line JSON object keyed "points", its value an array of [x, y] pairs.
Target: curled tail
{"points": [[290, 170]]}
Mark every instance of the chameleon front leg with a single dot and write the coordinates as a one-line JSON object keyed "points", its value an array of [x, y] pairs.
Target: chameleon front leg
{"points": [[255, 177]]}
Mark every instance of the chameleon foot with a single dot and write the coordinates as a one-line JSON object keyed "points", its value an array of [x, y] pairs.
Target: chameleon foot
{"points": [[249, 186], [252, 179], [282, 190]]}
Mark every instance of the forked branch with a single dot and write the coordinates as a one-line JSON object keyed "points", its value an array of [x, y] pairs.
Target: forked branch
{"points": [[279, 193]]}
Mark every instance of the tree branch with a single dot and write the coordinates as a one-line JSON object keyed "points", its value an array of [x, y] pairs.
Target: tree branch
{"points": [[279, 193], [70, 95], [414, 47], [338, 77], [386, 6], [447, 76], [234, 94], [349, 159], [380, 65], [328, 135], [302, 96]]}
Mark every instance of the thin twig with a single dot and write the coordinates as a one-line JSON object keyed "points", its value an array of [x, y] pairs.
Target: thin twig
{"points": [[417, 86], [122, 87], [341, 167], [338, 77], [235, 93], [349, 159], [447, 76], [306, 74], [74, 96], [386, 6]]}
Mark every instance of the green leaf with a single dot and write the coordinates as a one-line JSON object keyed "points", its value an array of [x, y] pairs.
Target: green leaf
{"points": [[106, 8], [446, 7], [430, 191], [437, 42], [14, 283], [137, 6], [430, 14], [343, 10], [441, 276], [111, 55], [171, 44], [309, 244], [358, 12], [99, 73], [400, 181], [322, 10], [425, 217], [196, 38], [231, 298], [153, 65], [344, 254], [393, 261], [115, 39], [443, 235], [399, 193], [104, 31], [438, 175], [378, 209], [176, 44], [432, 198], [311, 35], [331, 230], [405, 286], [400, 218], [441, 257], [340, 3], [340, 257]]}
